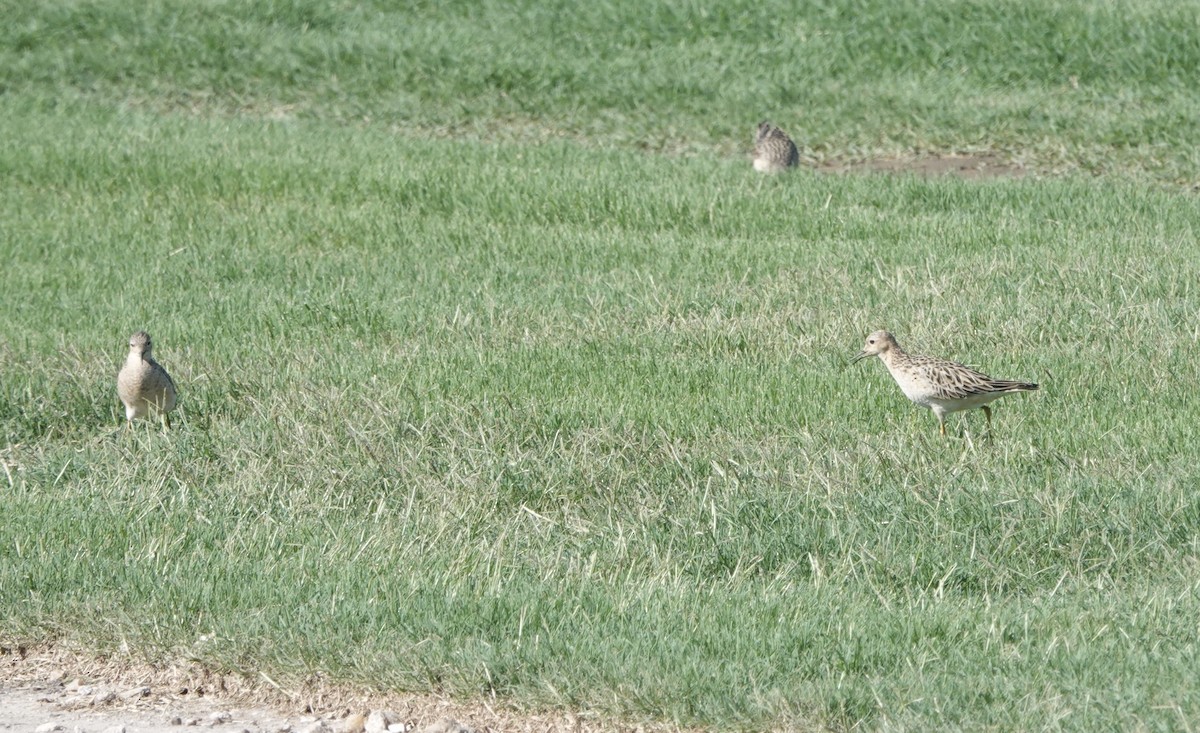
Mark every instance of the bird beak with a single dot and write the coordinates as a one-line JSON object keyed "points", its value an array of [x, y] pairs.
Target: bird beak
{"points": [[861, 355]]}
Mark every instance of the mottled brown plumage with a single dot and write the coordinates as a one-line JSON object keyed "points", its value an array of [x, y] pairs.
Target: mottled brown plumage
{"points": [[774, 151], [941, 385], [143, 383]]}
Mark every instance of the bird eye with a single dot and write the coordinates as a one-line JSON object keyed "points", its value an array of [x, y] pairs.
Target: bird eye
{"points": [[870, 341]]}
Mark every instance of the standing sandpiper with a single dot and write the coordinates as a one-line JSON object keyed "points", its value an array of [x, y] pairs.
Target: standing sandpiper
{"points": [[774, 151], [941, 385], [143, 383]]}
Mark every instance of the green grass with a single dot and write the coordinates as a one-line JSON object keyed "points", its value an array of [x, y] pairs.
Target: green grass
{"points": [[571, 423], [1059, 85]]}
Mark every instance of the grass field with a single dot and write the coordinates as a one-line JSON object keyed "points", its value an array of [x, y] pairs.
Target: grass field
{"points": [[488, 390]]}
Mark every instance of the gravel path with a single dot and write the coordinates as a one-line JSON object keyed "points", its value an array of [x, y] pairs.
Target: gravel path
{"points": [[58, 691], [59, 706], [80, 708]]}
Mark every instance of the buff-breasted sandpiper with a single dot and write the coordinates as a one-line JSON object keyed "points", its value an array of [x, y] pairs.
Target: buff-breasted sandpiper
{"points": [[941, 385], [142, 383], [774, 151]]}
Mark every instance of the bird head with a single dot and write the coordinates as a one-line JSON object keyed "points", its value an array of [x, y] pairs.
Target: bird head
{"points": [[877, 343], [140, 342]]}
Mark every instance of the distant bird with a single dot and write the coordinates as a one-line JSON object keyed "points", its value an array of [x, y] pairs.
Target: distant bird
{"points": [[143, 383], [774, 151], [941, 385]]}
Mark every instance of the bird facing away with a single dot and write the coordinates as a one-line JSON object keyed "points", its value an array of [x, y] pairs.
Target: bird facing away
{"points": [[143, 383], [774, 151], [941, 385]]}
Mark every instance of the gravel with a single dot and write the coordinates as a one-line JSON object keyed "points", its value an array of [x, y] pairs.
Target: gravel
{"points": [[53, 690]]}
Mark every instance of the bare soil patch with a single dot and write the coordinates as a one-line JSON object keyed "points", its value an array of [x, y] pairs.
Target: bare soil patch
{"points": [[966, 165], [55, 690]]}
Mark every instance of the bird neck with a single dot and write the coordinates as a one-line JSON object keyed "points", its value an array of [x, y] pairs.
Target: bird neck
{"points": [[893, 355]]}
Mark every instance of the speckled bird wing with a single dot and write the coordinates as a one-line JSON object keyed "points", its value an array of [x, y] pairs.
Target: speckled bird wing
{"points": [[953, 381], [166, 376], [159, 384]]}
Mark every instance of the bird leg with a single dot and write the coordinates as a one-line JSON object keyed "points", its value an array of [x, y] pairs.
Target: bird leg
{"points": [[988, 412]]}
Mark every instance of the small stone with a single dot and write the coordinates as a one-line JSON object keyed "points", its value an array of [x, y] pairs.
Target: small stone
{"points": [[191, 721], [74, 684], [57, 675], [136, 692], [175, 720], [353, 724], [48, 728], [377, 722], [114, 729], [220, 717], [104, 698], [447, 725]]}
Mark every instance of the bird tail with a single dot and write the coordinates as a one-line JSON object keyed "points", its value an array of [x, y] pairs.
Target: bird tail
{"points": [[1015, 386]]}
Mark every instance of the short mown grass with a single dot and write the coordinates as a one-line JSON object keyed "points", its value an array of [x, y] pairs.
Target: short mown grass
{"points": [[483, 394], [577, 427], [1057, 85]]}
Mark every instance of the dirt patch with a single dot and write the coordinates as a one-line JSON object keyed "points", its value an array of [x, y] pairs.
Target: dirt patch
{"points": [[54, 690], [970, 166]]}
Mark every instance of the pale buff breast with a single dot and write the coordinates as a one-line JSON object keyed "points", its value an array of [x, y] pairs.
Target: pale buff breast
{"points": [[142, 384]]}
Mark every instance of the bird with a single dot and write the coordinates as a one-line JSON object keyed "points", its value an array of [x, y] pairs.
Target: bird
{"points": [[142, 382], [941, 385], [774, 151]]}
